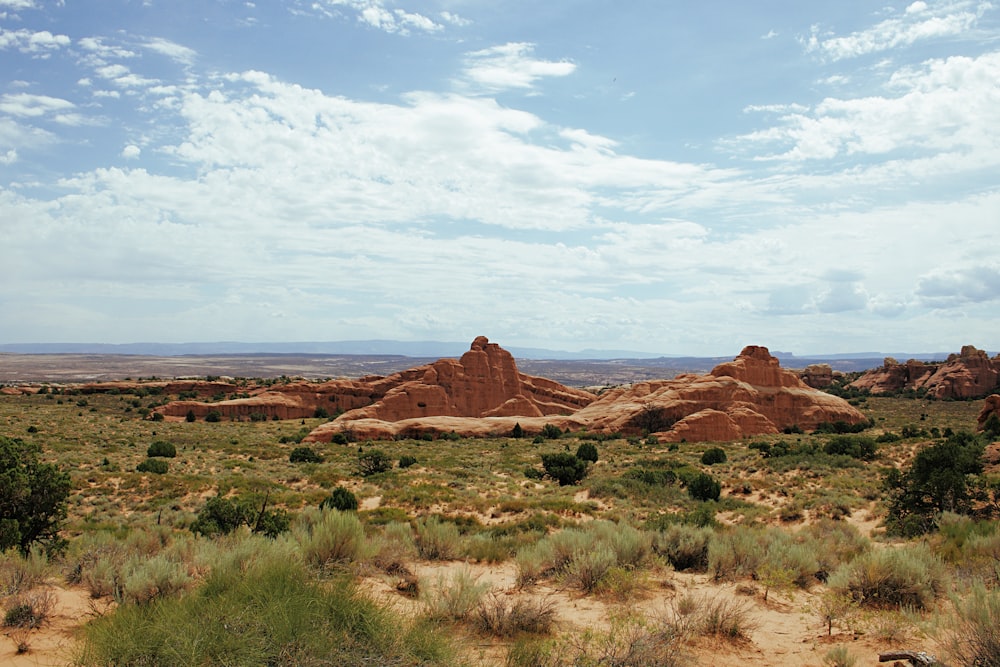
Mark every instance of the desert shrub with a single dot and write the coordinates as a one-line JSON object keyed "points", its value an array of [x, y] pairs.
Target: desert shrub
{"points": [[908, 577], [551, 432], [587, 451], [340, 439], [564, 467], [588, 568], [213, 416], [340, 499], [855, 446], [261, 610], [736, 553], [373, 462], [304, 455], [144, 579], [704, 487], [29, 610], [33, 497], [724, 618], [406, 461], [938, 480], [394, 547], [22, 572], [685, 547], [330, 539], [154, 466], [452, 600], [974, 640], [437, 539], [221, 516], [517, 431], [834, 543], [839, 656], [501, 616], [713, 455], [161, 448]]}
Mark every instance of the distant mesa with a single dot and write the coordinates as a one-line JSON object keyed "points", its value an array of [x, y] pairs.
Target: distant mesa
{"points": [[483, 394], [969, 374]]}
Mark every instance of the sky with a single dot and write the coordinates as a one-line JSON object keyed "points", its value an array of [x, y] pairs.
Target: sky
{"points": [[660, 176]]}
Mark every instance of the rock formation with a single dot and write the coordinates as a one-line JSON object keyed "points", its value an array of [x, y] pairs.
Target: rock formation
{"points": [[969, 374], [750, 395], [485, 382], [991, 408], [817, 376]]}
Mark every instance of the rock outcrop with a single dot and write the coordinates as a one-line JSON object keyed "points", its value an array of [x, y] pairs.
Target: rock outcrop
{"points": [[969, 374], [485, 382], [748, 396], [991, 408], [817, 376]]}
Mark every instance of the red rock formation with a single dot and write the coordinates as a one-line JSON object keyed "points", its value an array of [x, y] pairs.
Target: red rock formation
{"points": [[817, 376], [749, 396], [991, 407], [295, 400], [969, 374], [485, 382]]}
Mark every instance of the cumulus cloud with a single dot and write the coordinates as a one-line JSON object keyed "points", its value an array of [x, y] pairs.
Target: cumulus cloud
{"points": [[375, 14], [39, 44], [919, 21], [948, 104], [511, 65], [131, 152]]}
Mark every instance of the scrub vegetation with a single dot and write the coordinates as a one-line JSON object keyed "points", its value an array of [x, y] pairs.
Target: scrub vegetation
{"points": [[232, 541]]}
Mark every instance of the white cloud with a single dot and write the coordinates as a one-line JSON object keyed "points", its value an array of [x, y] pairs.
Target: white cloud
{"points": [[455, 19], [375, 14], [39, 44], [940, 106], [32, 106], [131, 152], [172, 50], [8, 158], [18, 4], [918, 22], [511, 65]]}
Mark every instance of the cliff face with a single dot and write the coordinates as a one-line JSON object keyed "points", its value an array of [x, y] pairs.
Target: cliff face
{"points": [[750, 395], [968, 374]]}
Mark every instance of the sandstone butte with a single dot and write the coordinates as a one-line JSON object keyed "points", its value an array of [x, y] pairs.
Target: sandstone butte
{"points": [[969, 374], [991, 407], [750, 395]]}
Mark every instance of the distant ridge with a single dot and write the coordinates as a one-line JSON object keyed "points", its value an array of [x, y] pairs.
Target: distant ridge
{"points": [[438, 349]]}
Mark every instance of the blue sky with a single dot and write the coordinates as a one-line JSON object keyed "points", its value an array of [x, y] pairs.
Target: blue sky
{"points": [[682, 178]]}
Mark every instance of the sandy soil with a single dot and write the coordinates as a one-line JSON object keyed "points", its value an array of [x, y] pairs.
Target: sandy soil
{"points": [[52, 644]]}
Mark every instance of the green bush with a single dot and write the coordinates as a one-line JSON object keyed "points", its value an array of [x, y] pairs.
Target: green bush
{"points": [[373, 462], [685, 547], [304, 455], [262, 610], [713, 455], [704, 487], [154, 466], [975, 637], [161, 448], [213, 416], [564, 468], [221, 516], [437, 539], [32, 497], [587, 452], [938, 480], [406, 461], [551, 432], [855, 446], [340, 499]]}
